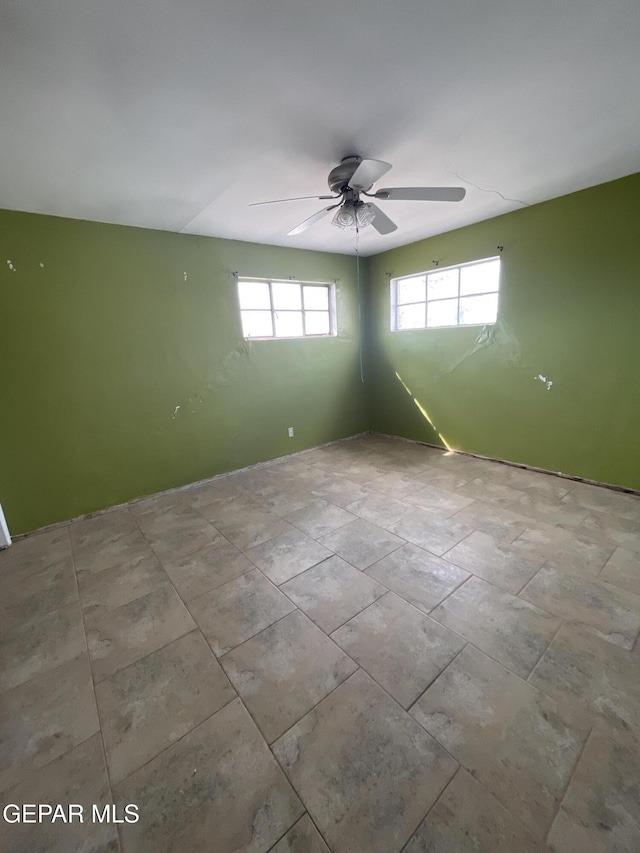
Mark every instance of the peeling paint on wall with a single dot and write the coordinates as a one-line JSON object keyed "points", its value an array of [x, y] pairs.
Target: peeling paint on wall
{"points": [[233, 367], [496, 337], [547, 382]]}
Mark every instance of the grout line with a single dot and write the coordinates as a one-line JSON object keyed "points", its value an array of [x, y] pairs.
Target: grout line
{"points": [[458, 769], [561, 798], [538, 662], [93, 685]]}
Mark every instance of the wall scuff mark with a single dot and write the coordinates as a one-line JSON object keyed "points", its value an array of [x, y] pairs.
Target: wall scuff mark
{"points": [[175, 412]]}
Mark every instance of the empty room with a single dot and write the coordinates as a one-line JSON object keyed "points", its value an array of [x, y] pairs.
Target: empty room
{"points": [[319, 406]]}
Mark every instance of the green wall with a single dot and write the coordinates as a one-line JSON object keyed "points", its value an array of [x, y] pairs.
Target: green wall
{"points": [[569, 310], [106, 330], [124, 371]]}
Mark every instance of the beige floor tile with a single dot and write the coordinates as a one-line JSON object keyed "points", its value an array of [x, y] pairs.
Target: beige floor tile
{"points": [[214, 491], [231, 509], [500, 522], [43, 718], [288, 555], [182, 532], [417, 576], [508, 629], [623, 570], [434, 534], [604, 678], [207, 569], [468, 819], [457, 463], [149, 512], [301, 838], [569, 551], [283, 501], [361, 543], [121, 584], [518, 742], [118, 638], [252, 527], [235, 611], [438, 478], [397, 485], [550, 510], [35, 553], [150, 704], [284, 671], [494, 561], [364, 769], [401, 648], [332, 592], [482, 489], [93, 557], [232, 792], [30, 598], [78, 777], [530, 482], [335, 489], [381, 509], [607, 610], [102, 528], [320, 518], [619, 531], [601, 810], [200, 767], [39, 646], [600, 499], [438, 502]]}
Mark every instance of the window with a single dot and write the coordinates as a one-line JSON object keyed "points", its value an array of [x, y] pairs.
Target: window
{"points": [[286, 309], [466, 295]]}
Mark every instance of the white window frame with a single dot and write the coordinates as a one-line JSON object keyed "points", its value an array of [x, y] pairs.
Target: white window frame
{"points": [[329, 286], [427, 301]]}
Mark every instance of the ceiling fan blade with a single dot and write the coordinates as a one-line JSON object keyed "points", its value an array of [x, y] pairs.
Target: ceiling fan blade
{"points": [[381, 221], [367, 173], [299, 198], [422, 193], [311, 220]]}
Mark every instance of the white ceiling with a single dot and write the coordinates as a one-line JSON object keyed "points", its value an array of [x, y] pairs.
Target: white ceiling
{"points": [[176, 114]]}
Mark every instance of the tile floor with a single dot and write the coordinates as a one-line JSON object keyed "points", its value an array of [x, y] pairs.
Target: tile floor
{"points": [[372, 646]]}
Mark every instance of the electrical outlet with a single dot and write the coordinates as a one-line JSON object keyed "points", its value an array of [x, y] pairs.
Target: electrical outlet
{"points": [[290, 431]]}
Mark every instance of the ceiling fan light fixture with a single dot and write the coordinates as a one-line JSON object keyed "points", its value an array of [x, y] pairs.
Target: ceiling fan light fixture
{"points": [[354, 215]]}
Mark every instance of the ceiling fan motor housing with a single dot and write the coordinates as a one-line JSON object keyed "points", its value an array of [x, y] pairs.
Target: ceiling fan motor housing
{"points": [[340, 176]]}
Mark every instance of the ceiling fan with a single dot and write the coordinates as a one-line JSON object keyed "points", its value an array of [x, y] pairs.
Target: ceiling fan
{"points": [[355, 176]]}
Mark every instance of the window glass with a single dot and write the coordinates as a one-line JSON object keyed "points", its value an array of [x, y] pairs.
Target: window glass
{"points": [[411, 316], [288, 324], [479, 278], [411, 290], [442, 284], [257, 324], [477, 310], [442, 313], [464, 295], [254, 294], [316, 298], [286, 296], [317, 323]]}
